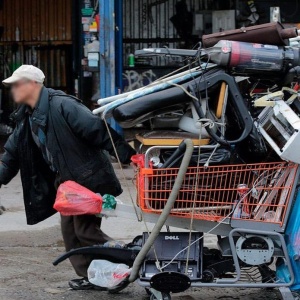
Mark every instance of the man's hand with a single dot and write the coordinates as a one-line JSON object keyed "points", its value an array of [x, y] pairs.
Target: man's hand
{"points": [[2, 208]]}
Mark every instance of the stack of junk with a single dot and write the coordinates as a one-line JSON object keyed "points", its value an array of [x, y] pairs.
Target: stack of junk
{"points": [[220, 157]]}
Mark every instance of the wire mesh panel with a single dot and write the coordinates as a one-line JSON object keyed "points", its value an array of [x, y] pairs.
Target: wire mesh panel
{"points": [[255, 192], [150, 23]]}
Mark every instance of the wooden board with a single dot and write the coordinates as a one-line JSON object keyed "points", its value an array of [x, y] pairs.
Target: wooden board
{"points": [[37, 20], [168, 138]]}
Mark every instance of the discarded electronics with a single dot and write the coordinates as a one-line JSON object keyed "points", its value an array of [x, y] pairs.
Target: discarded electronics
{"points": [[245, 102], [280, 126], [166, 246]]}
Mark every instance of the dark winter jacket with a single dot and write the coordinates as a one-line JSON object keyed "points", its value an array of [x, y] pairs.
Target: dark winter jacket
{"points": [[76, 140]]}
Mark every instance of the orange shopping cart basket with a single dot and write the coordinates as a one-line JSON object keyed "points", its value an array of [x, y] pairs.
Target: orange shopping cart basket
{"points": [[247, 192]]}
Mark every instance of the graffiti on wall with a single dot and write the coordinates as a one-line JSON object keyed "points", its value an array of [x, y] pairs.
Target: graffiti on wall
{"points": [[133, 80]]}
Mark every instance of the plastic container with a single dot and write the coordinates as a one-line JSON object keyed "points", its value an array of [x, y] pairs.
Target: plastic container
{"points": [[131, 60], [253, 58], [94, 46]]}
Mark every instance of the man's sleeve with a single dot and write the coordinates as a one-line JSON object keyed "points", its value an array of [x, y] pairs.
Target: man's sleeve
{"points": [[9, 163], [94, 131]]}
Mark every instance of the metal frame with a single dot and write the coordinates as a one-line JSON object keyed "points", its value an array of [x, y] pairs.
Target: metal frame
{"points": [[172, 147], [203, 225], [234, 282], [268, 226]]}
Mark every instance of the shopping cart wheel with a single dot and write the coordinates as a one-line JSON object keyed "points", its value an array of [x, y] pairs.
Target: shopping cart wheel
{"points": [[164, 297]]}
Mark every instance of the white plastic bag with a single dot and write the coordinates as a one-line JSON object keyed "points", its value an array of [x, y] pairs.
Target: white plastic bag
{"points": [[107, 274]]}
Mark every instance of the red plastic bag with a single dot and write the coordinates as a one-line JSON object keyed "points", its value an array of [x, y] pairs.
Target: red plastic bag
{"points": [[72, 199], [138, 160]]}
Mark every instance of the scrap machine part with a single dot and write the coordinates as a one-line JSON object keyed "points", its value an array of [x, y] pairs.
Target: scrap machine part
{"points": [[280, 126], [115, 255], [249, 59], [255, 250], [170, 282], [270, 33], [148, 106], [216, 266]]}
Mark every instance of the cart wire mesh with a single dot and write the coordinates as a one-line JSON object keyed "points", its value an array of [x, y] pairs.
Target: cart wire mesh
{"points": [[251, 192]]}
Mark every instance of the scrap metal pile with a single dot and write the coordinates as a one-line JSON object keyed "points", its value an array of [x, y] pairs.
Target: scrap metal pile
{"points": [[221, 157], [238, 101], [240, 93]]}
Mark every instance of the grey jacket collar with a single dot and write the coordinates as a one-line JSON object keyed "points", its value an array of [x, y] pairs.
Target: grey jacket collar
{"points": [[40, 113]]}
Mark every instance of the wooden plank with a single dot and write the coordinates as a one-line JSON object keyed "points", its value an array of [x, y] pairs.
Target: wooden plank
{"points": [[42, 10], [54, 5], [51, 21], [3, 21], [33, 20], [63, 68], [58, 67], [46, 22], [51, 74], [22, 17], [9, 26], [12, 21], [27, 24], [45, 59], [19, 17], [68, 18], [62, 20], [38, 20], [168, 141], [38, 55]]}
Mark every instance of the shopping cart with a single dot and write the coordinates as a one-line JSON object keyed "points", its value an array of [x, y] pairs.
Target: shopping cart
{"points": [[252, 209], [213, 193], [255, 194], [247, 206]]}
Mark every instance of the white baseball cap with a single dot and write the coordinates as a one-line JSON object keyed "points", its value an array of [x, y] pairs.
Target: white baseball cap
{"points": [[25, 72]]}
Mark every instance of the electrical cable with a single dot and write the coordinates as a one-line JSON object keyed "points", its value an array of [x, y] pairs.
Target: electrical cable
{"points": [[165, 213], [120, 165], [128, 188], [195, 195], [215, 227]]}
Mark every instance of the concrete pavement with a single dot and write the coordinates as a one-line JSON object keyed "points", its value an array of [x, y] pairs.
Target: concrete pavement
{"points": [[27, 252]]}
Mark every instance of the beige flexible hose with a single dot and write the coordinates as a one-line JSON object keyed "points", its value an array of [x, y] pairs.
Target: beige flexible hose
{"points": [[166, 211]]}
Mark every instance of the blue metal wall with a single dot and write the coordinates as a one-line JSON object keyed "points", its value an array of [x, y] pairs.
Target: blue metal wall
{"points": [[111, 39], [107, 48]]}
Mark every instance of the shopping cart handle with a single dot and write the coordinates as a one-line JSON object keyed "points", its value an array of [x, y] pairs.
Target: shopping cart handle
{"points": [[178, 152]]}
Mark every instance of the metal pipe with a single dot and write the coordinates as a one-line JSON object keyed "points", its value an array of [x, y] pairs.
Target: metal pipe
{"points": [[161, 85], [270, 33], [104, 101], [166, 212]]}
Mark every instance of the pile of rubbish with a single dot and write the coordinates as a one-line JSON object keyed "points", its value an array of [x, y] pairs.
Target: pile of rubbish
{"points": [[236, 107], [240, 92]]}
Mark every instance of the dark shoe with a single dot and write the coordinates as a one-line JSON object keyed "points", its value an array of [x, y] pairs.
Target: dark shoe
{"points": [[83, 284], [2, 209]]}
